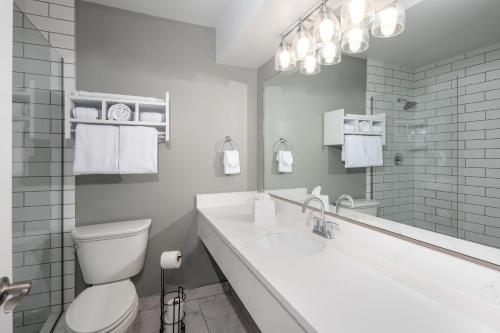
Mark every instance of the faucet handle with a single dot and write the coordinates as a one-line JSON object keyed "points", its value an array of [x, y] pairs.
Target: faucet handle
{"points": [[330, 225]]}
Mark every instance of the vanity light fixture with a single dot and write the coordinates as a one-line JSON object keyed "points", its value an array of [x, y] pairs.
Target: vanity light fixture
{"points": [[330, 37], [390, 21]]}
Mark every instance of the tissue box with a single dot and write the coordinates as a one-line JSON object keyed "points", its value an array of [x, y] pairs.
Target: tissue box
{"points": [[265, 212]]}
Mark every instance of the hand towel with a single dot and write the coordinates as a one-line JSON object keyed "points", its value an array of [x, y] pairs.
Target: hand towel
{"points": [[85, 113], [354, 151], [154, 117], [96, 149], [361, 151], [285, 161], [374, 150], [231, 161], [119, 112], [138, 151]]}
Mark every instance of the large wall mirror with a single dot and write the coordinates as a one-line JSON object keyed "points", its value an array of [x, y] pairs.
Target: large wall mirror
{"points": [[429, 100]]}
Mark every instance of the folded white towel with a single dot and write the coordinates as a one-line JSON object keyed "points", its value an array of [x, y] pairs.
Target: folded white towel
{"points": [[96, 149], [119, 112], [377, 129], [231, 161], [154, 117], [349, 128], [138, 151], [374, 150], [285, 161], [85, 113]]}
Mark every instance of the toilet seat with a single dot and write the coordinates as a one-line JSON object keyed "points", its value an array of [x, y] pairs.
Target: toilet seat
{"points": [[104, 308]]}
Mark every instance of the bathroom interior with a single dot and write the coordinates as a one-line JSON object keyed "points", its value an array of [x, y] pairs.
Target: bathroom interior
{"points": [[250, 166]]}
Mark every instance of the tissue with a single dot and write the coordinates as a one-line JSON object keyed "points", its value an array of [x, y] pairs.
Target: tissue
{"points": [[264, 210], [316, 192]]}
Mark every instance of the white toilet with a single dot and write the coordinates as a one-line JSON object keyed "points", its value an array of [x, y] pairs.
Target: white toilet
{"points": [[366, 206], [109, 254]]}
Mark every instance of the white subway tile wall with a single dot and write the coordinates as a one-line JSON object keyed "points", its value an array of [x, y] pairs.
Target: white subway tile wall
{"points": [[450, 180], [39, 199]]}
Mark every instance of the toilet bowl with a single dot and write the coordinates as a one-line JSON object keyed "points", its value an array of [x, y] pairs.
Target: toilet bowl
{"points": [[109, 254]]}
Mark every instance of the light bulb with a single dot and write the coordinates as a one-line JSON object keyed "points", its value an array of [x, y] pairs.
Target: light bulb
{"points": [[326, 26], [388, 21], [355, 38], [284, 58], [329, 52], [310, 64], [303, 44], [357, 10]]}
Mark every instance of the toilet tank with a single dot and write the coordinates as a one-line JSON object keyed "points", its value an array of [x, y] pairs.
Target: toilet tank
{"points": [[366, 206], [110, 252]]}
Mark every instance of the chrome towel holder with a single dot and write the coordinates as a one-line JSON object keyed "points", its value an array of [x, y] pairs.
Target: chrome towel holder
{"points": [[227, 141], [282, 141]]}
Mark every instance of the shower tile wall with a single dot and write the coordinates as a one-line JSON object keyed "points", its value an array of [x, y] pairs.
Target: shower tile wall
{"points": [[37, 175], [469, 130]]}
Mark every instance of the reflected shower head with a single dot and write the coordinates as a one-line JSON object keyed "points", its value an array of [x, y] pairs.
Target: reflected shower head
{"points": [[408, 105]]}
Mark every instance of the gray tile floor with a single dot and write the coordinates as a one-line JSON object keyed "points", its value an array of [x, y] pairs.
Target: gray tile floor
{"points": [[210, 309]]}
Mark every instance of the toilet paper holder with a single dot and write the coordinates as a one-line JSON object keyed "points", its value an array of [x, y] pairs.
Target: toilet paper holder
{"points": [[172, 308]]}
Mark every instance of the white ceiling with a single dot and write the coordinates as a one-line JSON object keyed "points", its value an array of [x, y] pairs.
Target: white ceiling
{"points": [[248, 31], [204, 12]]}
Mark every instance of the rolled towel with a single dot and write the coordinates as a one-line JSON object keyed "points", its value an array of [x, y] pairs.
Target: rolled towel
{"points": [[365, 126], [153, 117], [349, 128], [85, 113], [119, 112]]}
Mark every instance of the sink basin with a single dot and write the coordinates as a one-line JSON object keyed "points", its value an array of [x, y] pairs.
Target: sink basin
{"points": [[293, 244]]}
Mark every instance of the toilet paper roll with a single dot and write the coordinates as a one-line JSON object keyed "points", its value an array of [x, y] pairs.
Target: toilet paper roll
{"points": [[171, 259], [179, 311]]}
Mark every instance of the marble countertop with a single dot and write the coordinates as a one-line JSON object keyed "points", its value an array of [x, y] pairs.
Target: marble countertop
{"points": [[349, 287]]}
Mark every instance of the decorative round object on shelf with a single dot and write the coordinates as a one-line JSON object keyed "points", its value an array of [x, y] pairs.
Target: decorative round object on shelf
{"points": [[119, 112]]}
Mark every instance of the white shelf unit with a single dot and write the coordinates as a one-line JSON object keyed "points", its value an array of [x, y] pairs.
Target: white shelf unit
{"points": [[335, 122], [102, 103]]}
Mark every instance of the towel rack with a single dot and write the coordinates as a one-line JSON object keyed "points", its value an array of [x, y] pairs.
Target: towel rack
{"points": [[227, 141], [102, 101], [277, 145]]}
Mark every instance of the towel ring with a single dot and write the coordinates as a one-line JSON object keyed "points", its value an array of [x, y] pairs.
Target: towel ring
{"points": [[227, 141], [277, 145]]}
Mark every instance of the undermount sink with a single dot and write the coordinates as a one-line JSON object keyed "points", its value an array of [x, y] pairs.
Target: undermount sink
{"points": [[293, 244]]}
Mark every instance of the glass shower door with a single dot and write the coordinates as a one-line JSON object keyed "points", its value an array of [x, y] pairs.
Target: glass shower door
{"points": [[418, 184], [37, 176]]}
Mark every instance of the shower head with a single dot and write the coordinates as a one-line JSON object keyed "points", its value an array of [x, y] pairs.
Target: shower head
{"points": [[408, 105]]}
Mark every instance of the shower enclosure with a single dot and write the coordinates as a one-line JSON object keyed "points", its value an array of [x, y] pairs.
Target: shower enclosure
{"points": [[419, 184], [40, 246]]}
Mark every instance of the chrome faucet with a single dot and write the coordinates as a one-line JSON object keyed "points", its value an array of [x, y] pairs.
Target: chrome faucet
{"points": [[338, 203], [320, 227]]}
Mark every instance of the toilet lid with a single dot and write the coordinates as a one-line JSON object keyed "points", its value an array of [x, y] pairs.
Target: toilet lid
{"points": [[100, 306]]}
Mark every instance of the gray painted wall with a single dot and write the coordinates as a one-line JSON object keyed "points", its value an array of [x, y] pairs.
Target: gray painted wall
{"points": [[293, 108], [128, 53]]}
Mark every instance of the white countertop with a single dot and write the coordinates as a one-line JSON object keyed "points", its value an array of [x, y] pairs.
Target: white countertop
{"points": [[348, 287]]}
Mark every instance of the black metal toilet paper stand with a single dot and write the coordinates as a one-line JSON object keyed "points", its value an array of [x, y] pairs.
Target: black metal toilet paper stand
{"points": [[176, 307]]}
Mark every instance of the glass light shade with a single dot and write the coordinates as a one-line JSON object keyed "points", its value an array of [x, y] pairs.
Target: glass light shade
{"points": [[329, 53], [326, 26], [389, 21], [357, 13], [302, 43], [284, 60], [310, 65], [355, 40]]}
